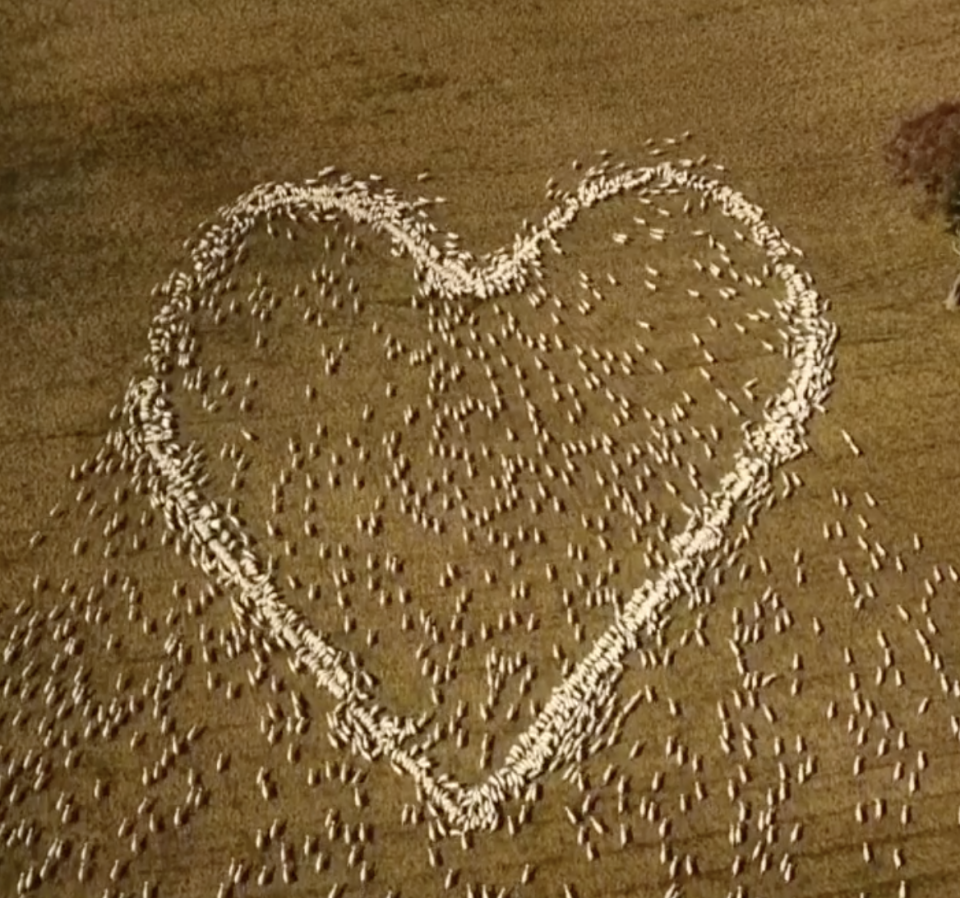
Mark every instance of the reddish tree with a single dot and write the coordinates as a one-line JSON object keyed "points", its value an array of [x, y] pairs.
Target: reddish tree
{"points": [[925, 152]]}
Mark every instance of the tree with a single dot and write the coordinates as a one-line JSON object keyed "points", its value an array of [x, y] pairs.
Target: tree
{"points": [[925, 152]]}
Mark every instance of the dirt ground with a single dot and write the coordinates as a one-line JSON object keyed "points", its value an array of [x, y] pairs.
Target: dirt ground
{"points": [[125, 125]]}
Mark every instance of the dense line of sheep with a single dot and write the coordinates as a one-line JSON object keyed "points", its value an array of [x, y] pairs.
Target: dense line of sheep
{"points": [[581, 707]]}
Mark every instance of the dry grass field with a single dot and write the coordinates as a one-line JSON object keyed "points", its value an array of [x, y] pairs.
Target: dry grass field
{"points": [[792, 728]]}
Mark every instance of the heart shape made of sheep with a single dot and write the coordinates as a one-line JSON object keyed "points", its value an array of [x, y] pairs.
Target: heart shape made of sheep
{"points": [[579, 706]]}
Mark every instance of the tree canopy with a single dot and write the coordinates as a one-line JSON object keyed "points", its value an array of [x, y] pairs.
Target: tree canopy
{"points": [[924, 151]]}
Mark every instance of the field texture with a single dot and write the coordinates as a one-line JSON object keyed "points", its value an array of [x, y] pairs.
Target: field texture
{"points": [[492, 449]]}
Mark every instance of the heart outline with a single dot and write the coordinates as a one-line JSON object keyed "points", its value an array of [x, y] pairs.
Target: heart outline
{"points": [[583, 701]]}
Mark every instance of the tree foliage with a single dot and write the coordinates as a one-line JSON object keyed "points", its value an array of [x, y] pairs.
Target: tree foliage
{"points": [[925, 152]]}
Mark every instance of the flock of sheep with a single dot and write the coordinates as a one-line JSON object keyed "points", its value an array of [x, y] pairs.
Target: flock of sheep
{"points": [[566, 414], [571, 716]]}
